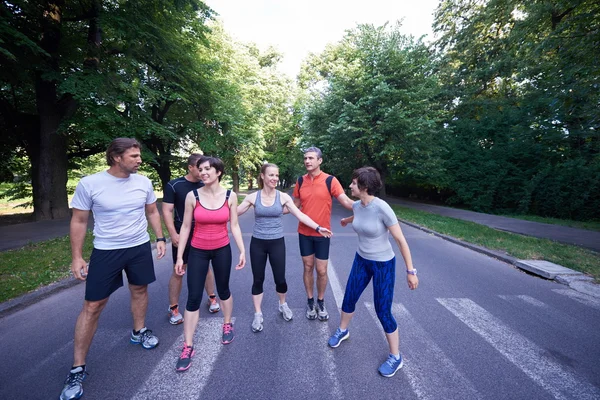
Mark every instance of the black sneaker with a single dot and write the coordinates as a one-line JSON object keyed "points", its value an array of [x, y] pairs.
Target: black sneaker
{"points": [[185, 359], [73, 388]]}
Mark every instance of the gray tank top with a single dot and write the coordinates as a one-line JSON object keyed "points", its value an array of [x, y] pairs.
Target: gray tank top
{"points": [[268, 220]]}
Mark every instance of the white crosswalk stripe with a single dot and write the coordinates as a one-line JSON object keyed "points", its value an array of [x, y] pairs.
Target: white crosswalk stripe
{"points": [[523, 353], [580, 297], [189, 384], [432, 377]]}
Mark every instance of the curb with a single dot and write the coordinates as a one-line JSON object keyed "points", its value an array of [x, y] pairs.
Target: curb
{"points": [[573, 279], [18, 303]]}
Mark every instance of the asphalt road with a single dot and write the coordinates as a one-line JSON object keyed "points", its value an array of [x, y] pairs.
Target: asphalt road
{"points": [[476, 328]]}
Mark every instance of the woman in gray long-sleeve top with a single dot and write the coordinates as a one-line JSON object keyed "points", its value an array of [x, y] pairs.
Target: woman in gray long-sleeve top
{"points": [[372, 220], [267, 238]]}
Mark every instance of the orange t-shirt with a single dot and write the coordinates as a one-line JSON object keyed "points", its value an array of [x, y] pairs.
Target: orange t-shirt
{"points": [[316, 201]]}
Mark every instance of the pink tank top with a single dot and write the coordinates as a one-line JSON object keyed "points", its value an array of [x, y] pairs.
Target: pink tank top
{"points": [[210, 228]]}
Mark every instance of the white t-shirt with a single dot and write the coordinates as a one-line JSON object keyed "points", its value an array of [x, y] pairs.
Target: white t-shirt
{"points": [[119, 208]]}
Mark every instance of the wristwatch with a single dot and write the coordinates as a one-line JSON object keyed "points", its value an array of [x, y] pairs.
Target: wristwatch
{"points": [[411, 271], [318, 229], [162, 239]]}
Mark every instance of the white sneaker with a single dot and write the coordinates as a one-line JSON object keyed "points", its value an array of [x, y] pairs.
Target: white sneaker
{"points": [[285, 311], [175, 317], [213, 305], [257, 323]]}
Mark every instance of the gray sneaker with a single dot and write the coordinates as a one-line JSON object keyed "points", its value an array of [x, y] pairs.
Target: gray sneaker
{"points": [[285, 311], [257, 323], [322, 311], [73, 388], [145, 338], [311, 311]]}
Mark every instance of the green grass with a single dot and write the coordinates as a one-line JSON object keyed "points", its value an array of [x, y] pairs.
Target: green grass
{"points": [[26, 269], [522, 247], [589, 225]]}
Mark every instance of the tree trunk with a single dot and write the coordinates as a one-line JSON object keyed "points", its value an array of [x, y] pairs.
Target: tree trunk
{"points": [[235, 179]]}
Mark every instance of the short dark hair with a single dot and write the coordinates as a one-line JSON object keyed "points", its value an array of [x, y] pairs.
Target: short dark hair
{"points": [[214, 162], [193, 158], [119, 146], [263, 169], [368, 178]]}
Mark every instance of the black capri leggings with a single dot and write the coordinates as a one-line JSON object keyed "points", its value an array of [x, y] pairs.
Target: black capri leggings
{"points": [[197, 268], [274, 249]]}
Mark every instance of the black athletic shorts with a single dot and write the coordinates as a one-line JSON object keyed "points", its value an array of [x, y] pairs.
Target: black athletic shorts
{"points": [[317, 245], [105, 272], [186, 252]]}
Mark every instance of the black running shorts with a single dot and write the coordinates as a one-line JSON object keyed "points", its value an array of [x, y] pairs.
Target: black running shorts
{"points": [[317, 245], [105, 272]]}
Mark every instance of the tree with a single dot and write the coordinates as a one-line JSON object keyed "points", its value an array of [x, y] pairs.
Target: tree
{"points": [[372, 102]]}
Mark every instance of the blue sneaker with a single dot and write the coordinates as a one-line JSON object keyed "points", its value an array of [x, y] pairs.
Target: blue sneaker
{"points": [[390, 366], [338, 337]]}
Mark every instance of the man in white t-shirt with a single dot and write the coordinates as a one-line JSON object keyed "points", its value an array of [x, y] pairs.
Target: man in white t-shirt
{"points": [[122, 203]]}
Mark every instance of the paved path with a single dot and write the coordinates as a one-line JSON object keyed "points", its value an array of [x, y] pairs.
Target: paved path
{"points": [[563, 234], [15, 236]]}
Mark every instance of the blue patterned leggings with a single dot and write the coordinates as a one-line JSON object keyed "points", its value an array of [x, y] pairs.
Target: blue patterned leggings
{"points": [[384, 277]]}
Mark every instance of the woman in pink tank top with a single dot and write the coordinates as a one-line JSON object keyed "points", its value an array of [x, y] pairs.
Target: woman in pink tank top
{"points": [[211, 207]]}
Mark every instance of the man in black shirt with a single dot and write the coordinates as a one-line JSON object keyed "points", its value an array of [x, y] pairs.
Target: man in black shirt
{"points": [[173, 206]]}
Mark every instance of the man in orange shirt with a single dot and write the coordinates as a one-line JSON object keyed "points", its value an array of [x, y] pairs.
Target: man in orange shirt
{"points": [[314, 198]]}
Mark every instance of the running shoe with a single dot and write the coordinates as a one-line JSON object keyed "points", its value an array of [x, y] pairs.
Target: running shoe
{"points": [[322, 311], [145, 338], [73, 388], [338, 337], [311, 311], [185, 359], [213, 304], [257, 323], [175, 318], [285, 311], [227, 333], [390, 366]]}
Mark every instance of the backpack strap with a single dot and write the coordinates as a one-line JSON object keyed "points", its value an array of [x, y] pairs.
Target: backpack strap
{"points": [[328, 183], [196, 195], [227, 194]]}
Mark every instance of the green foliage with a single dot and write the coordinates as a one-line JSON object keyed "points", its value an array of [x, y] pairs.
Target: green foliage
{"points": [[522, 86], [371, 101]]}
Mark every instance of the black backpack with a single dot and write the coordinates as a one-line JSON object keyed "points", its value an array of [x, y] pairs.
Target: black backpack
{"points": [[327, 182]]}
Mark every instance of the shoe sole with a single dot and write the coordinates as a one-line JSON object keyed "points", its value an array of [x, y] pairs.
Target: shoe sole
{"points": [[140, 343], [340, 342], [226, 342], [393, 373], [323, 318], [311, 317], [286, 319], [257, 330], [176, 322], [214, 311]]}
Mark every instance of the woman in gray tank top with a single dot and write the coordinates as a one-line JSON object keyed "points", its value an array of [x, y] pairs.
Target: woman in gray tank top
{"points": [[267, 239]]}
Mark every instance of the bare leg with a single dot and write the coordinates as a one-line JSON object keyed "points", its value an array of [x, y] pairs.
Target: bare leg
{"points": [[257, 300], [321, 278], [85, 329], [175, 287], [345, 321], [227, 307], [139, 305], [189, 326], [393, 341], [309, 279], [281, 297]]}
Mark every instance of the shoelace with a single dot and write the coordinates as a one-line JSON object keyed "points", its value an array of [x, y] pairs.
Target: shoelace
{"points": [[391, 361], [77, 377], [339, 333], [187, 352], [227, 328], [145, 335]]}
